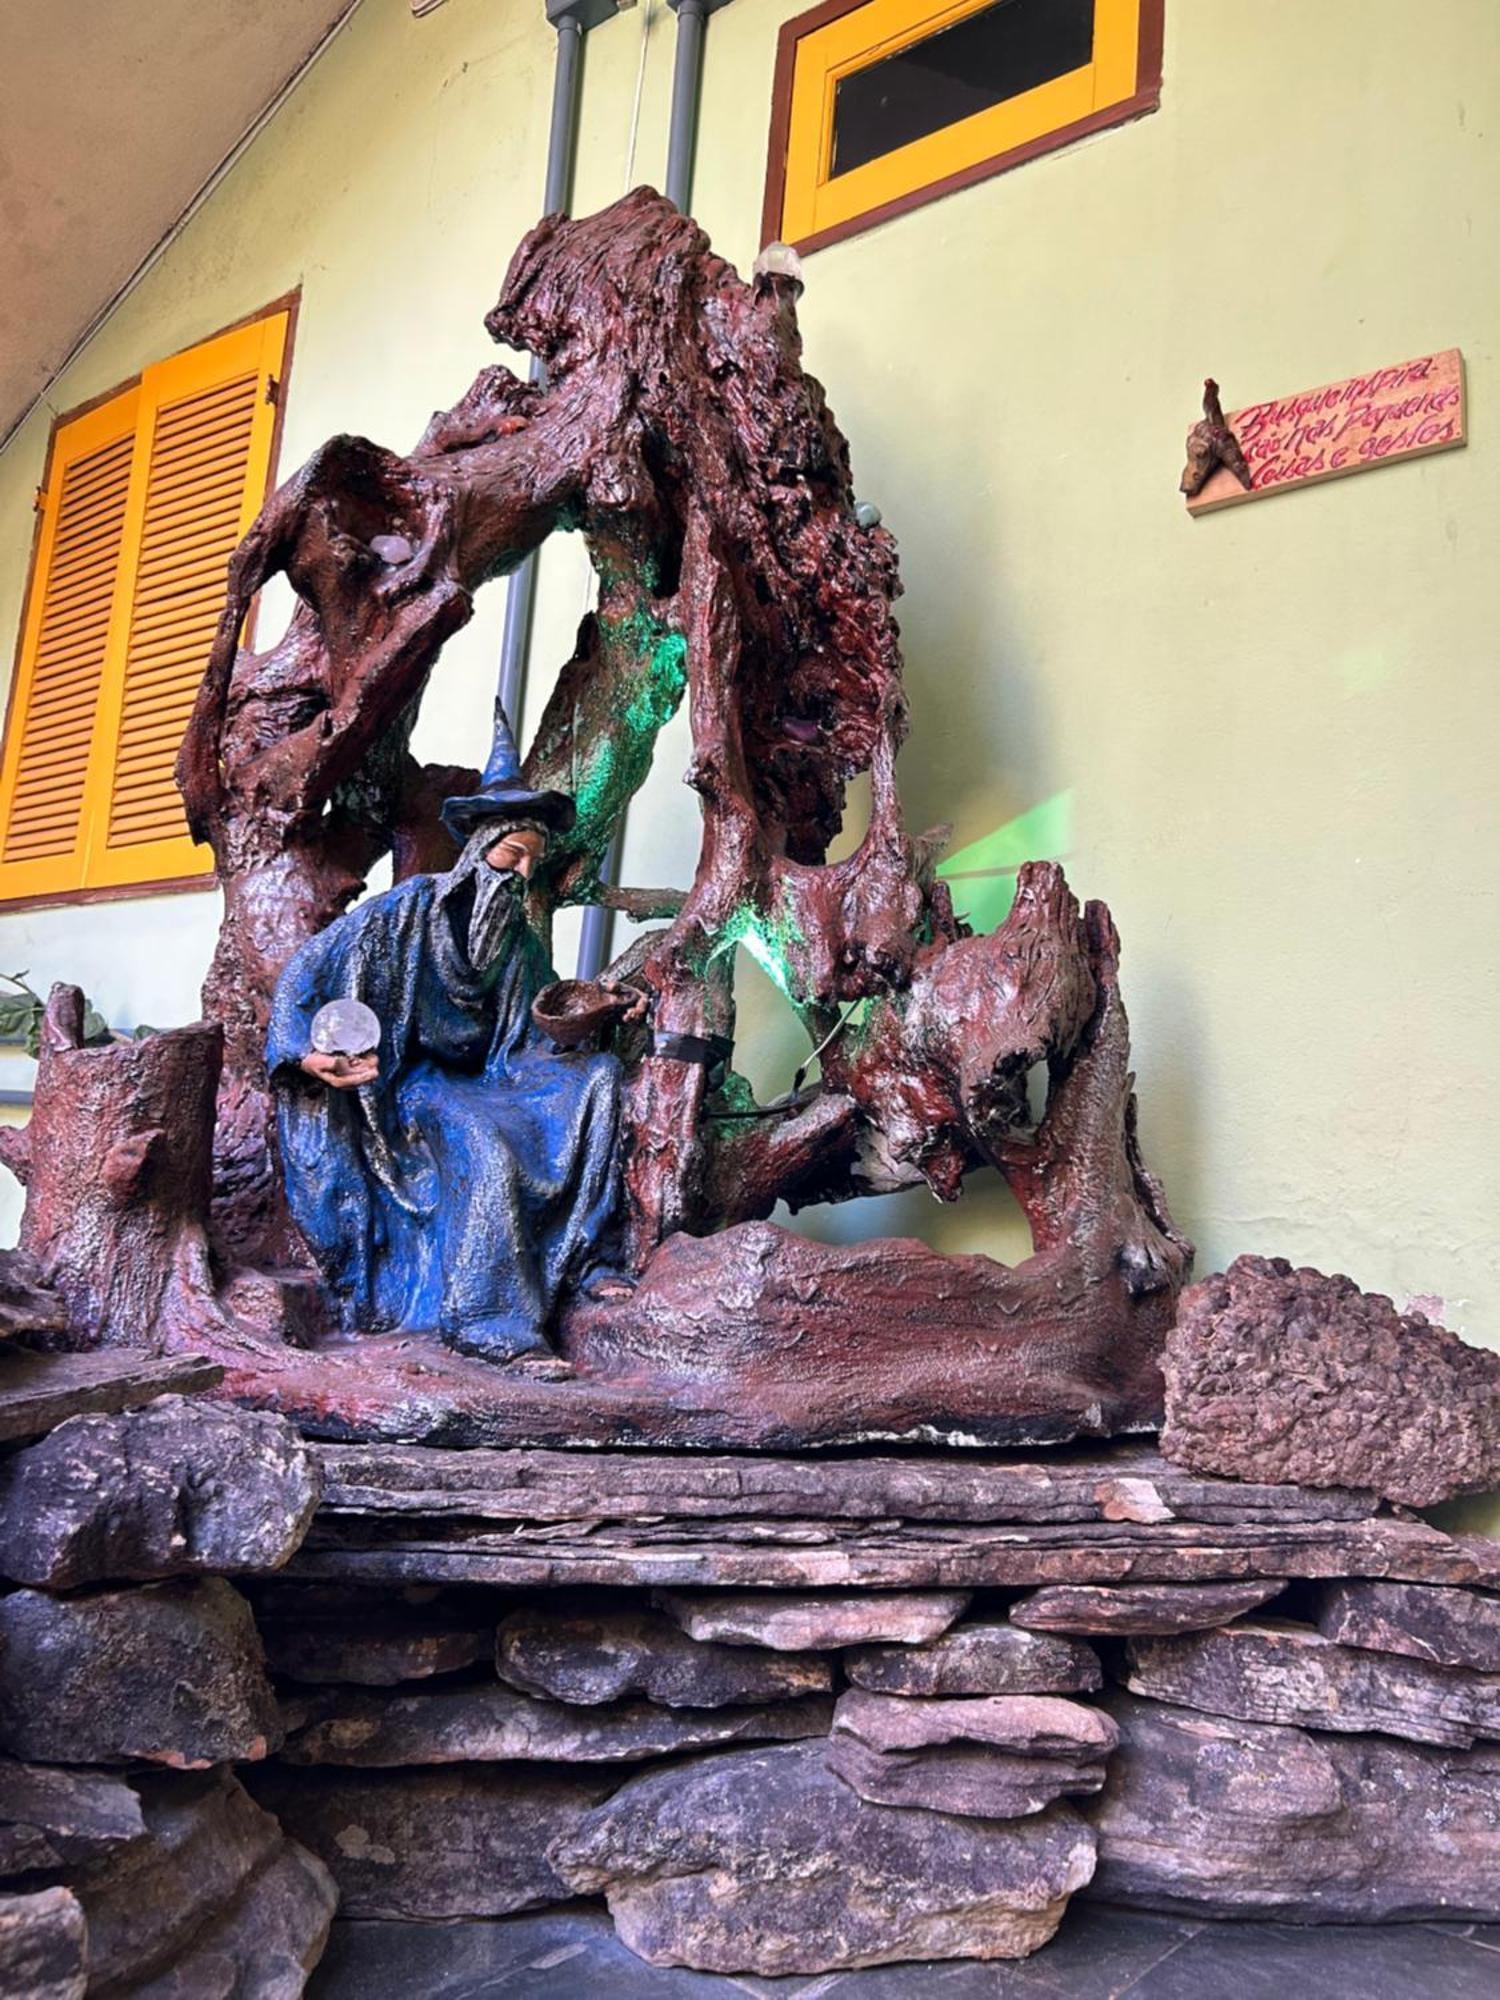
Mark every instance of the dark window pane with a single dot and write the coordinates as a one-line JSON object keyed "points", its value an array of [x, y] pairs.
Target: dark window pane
{"points": [[976, 64]]}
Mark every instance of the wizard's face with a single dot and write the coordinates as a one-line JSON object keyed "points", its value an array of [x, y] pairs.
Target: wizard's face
{"points": [[517, 850]]}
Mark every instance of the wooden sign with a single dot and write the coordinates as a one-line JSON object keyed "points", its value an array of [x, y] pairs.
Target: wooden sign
{"points": [[1394, 413]]}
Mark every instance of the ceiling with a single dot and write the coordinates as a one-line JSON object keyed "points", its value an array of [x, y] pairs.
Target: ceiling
{"points": [[113, 115]]}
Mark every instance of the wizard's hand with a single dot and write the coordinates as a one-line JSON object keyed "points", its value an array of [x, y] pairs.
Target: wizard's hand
{"points": [[638, 1001], [342, 1072]]}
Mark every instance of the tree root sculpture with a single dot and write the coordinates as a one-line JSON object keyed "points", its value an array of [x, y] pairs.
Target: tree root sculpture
{"points": [[675, 428]]}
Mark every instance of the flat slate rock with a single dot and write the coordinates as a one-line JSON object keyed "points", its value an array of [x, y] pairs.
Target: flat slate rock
{"points": [[590, 1658], [52, 1818], [1275, 1373], [490, 1724], [981, 1656], [1276, 1672], [1220, 1818], [808, 1621], [816, 1556], [40, 1391], [997, 1757], [176, 1488], [765, 1862], [43, 1946], [1033, 1725], [1140, 1608], [172, 1673], [434, 1846], [1449, 1628], [1119, 1482]]}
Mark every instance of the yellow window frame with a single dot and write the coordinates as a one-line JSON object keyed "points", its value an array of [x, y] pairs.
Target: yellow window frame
{"points": [[257, 347], [809, 205]]}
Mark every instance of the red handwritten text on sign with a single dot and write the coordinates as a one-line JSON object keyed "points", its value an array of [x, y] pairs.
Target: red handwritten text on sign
{"points": [[1401, 412]]}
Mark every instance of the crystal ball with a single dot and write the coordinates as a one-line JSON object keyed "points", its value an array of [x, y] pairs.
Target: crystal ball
{"points": [[345, 1028]]}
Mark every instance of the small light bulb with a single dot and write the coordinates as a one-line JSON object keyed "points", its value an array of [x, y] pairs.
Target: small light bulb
{"points": [[867, 514], [779, 260]]}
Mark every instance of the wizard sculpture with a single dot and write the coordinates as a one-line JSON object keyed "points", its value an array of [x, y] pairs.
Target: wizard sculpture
{"points": [[462, 1177]]}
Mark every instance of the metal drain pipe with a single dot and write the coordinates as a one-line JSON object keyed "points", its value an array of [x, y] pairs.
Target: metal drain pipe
{"points": [[572, 19], [596, 935]]}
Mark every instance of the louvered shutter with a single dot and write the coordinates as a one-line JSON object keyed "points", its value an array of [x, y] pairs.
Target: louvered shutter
{"points": [[54, 706], [146, 498], [202, 453]]}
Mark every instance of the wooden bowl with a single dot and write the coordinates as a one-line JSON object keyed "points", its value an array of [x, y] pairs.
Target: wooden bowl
{"points": [[571, 1012]]}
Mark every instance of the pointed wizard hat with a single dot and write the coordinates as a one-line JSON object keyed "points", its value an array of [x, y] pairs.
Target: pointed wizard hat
{"points": [[503, 794]]}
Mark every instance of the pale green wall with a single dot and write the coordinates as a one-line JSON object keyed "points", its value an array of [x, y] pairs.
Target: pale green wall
{"points": [[1275, 725]]}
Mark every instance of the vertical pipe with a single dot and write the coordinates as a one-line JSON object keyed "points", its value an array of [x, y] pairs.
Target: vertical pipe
{"points": [[687, 76], [596, 935], [562, 141]]}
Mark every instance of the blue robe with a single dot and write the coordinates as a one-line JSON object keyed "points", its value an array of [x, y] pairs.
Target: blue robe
{"points": [[476, 1182]]}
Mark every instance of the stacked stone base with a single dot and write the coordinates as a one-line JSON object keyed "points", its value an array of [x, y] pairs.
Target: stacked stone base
{"points": [[779, 1715]]}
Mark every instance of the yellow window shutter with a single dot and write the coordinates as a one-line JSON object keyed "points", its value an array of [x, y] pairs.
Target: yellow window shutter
{"points": [[64, 652], [202, 458]]}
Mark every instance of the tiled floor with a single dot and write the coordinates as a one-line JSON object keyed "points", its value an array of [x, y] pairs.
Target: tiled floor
{"points": [[1100, 1954]]}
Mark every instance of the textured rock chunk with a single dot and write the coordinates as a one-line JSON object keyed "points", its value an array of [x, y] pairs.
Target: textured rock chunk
{"points": [[265, 1945], [1290, 1674], [998, 1757], [1142, 1608], [1289, 1375], [764, 1861], [1451, 1628], [179, 1487], [1244, 1819], [590, 1659], [51, 1818], [809, 1620], [43, 1949], [488, 1724], [170, 1672], [434, 1846], [213, 1866], [985, 1656]]}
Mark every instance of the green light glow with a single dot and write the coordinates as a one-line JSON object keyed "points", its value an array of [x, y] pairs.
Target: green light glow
{"points": [[616, 764], [982, 876], [768, 939]]}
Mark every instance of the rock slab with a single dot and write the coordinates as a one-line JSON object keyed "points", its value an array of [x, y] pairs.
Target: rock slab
{"points": [[604, 1657], [1281, 1374], [434, 1846], [765, 1862], [489, 1724], [1218, 1818], [171, 1673], [1140, 1608], [1290, 1674], [982, 1656], [177, 1488], [40, 1391], [995, 1757], [814, 1620], [1449, 1628]]}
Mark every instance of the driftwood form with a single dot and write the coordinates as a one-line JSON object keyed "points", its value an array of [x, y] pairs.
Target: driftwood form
{"points": [[676, 430], [116, 1162]]}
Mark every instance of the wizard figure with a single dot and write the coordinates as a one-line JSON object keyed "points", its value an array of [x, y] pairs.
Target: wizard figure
{"points": [[462, 1178]]}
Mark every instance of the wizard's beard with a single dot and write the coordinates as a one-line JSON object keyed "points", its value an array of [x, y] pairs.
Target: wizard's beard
{"points": [[497, 900]]}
